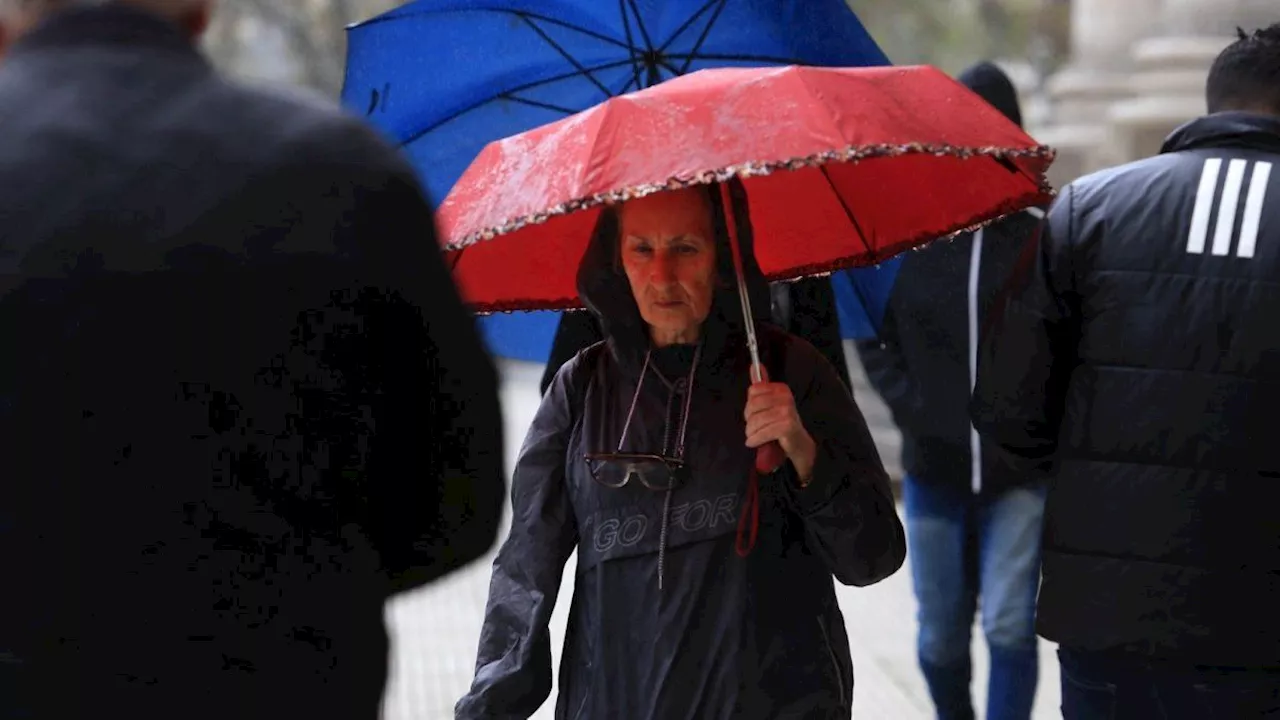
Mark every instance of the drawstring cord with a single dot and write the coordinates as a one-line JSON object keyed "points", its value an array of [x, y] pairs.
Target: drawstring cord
{"points": [[634, 398], [749, 515], [666, 500], [684, 426]]}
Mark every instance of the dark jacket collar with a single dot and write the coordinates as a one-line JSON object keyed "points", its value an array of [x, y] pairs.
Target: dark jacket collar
{"points": [[113, 24], [1243, 130]]}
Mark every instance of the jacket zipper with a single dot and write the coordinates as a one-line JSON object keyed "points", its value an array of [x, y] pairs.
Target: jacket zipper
{"points": [[975, 443], [673, 404], [680, 388], [835, 663]]}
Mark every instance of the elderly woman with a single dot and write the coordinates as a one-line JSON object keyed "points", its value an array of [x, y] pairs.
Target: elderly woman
{"points": [[689, 602]]}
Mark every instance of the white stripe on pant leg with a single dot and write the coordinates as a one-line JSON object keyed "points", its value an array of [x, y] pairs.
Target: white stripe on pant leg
{"points": [[975, 443], [1204, 204], [1253, 209], [1227, 207]]}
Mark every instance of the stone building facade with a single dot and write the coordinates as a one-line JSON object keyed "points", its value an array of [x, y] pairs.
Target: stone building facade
{"points": [[1136, 71]]}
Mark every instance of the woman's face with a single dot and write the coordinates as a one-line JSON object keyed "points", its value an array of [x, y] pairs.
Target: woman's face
{"points": [[668, 253]]}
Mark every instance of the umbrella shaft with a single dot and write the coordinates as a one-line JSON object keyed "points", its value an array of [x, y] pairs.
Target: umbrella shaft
{"points": [[730, 223], [756, 375], [753, 345]]}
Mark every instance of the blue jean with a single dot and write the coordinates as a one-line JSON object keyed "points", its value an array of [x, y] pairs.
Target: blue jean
{"points": [[965, 548], [1098, 686]]}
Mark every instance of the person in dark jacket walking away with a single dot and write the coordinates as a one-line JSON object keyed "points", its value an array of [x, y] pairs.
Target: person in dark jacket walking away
{"points": [[1137, 360], [973, 523], [241, 403], [640, 455], [806, 308]]}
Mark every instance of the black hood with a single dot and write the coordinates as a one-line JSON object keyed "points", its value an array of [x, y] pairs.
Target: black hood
{"points": [[993, 85], [1227, 129], [604, 289]]}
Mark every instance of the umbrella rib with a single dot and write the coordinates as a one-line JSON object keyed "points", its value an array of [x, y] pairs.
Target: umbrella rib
{"points": [[738, 58], [457, 258], [648, 43], [848, 212], [706, 31], [692, 18], [626, 27], [527, 86], [635, 81], [502, 11], [1014, 168], [565, 54], [537, 104], [802, 78], [674, 70]]}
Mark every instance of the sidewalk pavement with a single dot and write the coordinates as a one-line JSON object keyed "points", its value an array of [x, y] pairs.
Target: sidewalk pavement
{"points": [[435, 629]]}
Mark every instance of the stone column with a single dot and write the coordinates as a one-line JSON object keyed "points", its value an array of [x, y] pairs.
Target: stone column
{"points": [[1096, 76], [1171, 67]]}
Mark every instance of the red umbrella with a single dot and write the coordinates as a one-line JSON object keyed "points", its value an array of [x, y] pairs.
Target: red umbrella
{"points": [[879, 160]]}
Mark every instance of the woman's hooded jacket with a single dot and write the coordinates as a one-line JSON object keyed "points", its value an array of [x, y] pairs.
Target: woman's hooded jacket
{"points": [[667, 620]]}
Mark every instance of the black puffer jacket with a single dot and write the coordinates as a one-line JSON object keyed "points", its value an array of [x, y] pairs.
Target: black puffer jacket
{"points": [[241, 402], [1140, 350], [725, 636], [922, 361]]}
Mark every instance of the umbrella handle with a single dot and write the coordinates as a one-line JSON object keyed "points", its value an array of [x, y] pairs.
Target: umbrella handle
{"points": [[768, 457], [771, 456]]}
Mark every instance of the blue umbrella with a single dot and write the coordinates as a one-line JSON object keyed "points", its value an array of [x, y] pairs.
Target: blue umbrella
{"points": [[443, 78], [862, 296]]}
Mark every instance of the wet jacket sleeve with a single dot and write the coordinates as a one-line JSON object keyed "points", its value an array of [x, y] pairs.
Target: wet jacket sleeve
{"points": [[1028, 347], [850, 518], [886, 368], [513, 665]]}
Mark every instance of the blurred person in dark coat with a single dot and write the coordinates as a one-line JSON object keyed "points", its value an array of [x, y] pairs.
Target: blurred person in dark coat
{"points": [[973, 521], [1136, 359], [241, 403]]}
